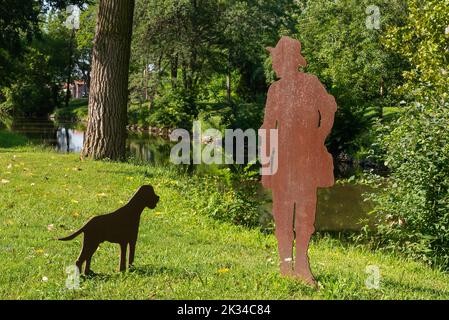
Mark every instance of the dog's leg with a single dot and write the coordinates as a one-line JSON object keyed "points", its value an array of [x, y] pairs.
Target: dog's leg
{"points": [[123, 247], [87, 251], [82, 257], [132, 252], [89, 259]]}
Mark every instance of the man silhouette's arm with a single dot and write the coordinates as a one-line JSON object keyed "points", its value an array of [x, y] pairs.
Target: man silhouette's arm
{"points": [[270, 122], [327, 109], [270, 118]]}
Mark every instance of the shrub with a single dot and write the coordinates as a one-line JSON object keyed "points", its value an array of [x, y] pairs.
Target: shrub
{"points": [[77, 111], [138, 114], [233, 197], [413, 203], [175, 108], [10, 139]]}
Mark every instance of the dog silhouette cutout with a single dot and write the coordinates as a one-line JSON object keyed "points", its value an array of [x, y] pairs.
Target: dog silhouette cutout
{"points": [[120, 226], [302, 111]]}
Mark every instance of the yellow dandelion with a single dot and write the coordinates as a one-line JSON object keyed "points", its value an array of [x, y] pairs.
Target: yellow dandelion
{"points": [[223, 270]]}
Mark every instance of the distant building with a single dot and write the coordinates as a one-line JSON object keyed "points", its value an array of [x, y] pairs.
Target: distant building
{"points": [[78, 89]]}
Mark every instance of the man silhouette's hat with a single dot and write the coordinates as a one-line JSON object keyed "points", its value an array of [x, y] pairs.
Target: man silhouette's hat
{"points": [[287, 47]]}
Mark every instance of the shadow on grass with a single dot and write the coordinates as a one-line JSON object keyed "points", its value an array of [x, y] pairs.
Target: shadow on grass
{"points": [[103, 277], [180, 273], [405, 287]]}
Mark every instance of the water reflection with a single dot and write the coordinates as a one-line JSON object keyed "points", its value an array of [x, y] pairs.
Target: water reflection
{"points": [[69, 138]]}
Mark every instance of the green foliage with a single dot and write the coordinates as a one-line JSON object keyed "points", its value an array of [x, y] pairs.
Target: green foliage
{"points": [[139, 115], [200, 46], [77, 111], [35, 87], [11, 140], [33, 92], [424, 42], [413, 203], [175, 108], [233, 197], [20, 24], [351, 60]]}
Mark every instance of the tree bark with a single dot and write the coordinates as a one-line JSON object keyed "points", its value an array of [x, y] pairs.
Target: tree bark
{"points": [[108, 99], [68, 94]]}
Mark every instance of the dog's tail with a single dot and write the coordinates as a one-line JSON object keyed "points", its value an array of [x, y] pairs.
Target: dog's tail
{"points": [[73, 236]]}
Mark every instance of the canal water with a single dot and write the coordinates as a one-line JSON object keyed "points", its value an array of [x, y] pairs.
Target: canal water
{"points": [[340, 208]]}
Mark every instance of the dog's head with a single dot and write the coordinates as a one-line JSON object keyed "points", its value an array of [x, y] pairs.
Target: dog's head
{"points": [[147, 196]]}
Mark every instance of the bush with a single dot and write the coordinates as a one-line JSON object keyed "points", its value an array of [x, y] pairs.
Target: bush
{"points": [[138, 114], [413, 203], [175, 108], [77, 111], [30, 99], [233, 197], [10, 139]]}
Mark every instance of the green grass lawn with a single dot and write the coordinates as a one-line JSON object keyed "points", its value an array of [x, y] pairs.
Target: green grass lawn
{"points": [[181, 253]]}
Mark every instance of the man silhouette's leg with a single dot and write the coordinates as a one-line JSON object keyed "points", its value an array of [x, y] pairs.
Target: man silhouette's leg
{"points": [[283, 216], [304, 228]]}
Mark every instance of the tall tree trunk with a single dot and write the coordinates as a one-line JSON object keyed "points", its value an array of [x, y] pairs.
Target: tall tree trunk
{"points": [[229, 79], [70, 69], [174, 70], [382, 93], [108, 99]]}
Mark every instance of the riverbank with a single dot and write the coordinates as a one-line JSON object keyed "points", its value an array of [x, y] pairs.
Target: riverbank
{"points": [[77, 112], [182, 252]]}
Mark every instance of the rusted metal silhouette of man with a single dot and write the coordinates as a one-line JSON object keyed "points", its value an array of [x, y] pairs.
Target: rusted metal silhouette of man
{"points": [[300, 108]]}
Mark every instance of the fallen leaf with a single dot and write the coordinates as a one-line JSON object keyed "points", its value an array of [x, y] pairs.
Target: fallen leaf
{"points": [[4, 181]]}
